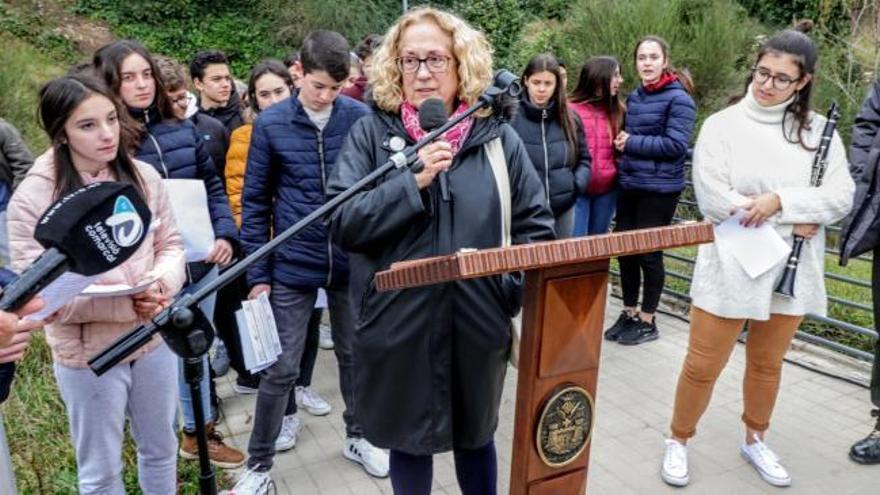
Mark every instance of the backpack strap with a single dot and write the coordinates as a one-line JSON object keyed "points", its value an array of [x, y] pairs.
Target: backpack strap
{"points": [[495, 152]]}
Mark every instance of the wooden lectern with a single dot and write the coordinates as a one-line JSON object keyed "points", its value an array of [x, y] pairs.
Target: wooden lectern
{"points": [[562, 321]]}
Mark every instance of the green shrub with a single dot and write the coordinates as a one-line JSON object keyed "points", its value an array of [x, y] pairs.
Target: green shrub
{"points": [[23, 70], [712, 39], [180, 28]]}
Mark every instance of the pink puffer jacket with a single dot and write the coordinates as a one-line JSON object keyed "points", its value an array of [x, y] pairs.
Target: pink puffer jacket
{"points": [[87, 325], [599, 140]]}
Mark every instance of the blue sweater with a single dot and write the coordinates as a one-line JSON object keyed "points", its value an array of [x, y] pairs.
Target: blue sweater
{"points": [[289, 162], [660, 125]]}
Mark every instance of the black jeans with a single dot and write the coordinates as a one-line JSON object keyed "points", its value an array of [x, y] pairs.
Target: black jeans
{"points": [[875, 292], [310, 352], [293, 308], [639, 210]]}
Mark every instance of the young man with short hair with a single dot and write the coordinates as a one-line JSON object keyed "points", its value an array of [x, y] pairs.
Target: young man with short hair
{"points": [[210, 75], [293, 149]]}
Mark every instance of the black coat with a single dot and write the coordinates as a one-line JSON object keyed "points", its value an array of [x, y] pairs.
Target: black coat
{"points": [[430, 361], [216, 140], [861, 229], [563, 178]]}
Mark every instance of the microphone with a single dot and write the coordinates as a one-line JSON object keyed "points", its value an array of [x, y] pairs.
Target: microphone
{"points": [[503, 82], [432, 114], [88, 231]]}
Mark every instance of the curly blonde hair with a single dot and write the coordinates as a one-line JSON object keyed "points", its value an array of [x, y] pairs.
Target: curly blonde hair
{"points": [[473, 56]]}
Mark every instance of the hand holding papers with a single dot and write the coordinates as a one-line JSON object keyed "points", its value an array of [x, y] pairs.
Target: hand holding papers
{"points": [[757, 249], [260, 346]]}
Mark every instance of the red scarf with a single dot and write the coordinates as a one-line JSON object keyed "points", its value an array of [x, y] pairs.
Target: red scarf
{"points": [[665, 80], [455, 136]]}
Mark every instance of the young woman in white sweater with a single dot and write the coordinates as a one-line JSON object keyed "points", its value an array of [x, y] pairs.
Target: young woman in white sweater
{"points": [[756, 156]]}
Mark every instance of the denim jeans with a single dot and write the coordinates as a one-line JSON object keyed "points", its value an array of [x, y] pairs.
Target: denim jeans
{"points": [[186, 408], [292, 308], [593, 214]]}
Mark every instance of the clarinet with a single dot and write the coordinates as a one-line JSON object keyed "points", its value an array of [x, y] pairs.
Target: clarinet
{"points": [[785, 287]]}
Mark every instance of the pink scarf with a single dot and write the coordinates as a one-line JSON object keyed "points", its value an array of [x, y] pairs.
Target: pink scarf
{"points": [[455, 136]]}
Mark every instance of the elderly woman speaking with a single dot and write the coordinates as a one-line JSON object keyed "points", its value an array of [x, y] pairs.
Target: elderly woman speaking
{"points": [[430, 361]]}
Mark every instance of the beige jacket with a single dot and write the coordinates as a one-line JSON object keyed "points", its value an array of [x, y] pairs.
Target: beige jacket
{"points": [[88, 325]]}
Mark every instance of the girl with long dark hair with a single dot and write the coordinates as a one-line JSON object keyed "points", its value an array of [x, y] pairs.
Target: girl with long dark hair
{"points": [[83, 120], [554, 139], [175, 149], [653, 145], [596, 100], [755, 157]]}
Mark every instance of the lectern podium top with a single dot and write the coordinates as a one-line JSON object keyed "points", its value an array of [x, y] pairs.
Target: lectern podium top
{"points": [[479, 263]]}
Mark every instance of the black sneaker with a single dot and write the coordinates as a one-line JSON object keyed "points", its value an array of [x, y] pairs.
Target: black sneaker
{"points": [[867, 450], [624, 321], [639, 332]]}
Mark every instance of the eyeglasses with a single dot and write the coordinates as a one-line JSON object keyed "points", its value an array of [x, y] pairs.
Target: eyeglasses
{"points": [[181, 101], [780, 82], [436, 64]]}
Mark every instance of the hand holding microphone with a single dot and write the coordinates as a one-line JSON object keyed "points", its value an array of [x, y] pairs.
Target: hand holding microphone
{"points": [[436, 158]]}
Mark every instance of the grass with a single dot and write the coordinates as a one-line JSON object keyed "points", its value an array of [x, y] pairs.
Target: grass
{"points": [[39, 440]]}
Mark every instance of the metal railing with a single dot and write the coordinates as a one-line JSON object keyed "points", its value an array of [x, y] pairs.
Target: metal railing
{"points": [[844, 326]]}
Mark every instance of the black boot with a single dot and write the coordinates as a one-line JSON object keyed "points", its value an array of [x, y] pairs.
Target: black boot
{"points": [[867, 450]]}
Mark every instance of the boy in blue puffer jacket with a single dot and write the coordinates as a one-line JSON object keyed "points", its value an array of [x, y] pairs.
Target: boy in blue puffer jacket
{"points": [[292, 153]]}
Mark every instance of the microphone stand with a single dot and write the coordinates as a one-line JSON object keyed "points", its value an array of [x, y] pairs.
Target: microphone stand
{"points": [[186, 330]]}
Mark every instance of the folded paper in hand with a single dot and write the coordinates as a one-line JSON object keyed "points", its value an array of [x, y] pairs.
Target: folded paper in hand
{"points": [[260, 345], [756, 249]]}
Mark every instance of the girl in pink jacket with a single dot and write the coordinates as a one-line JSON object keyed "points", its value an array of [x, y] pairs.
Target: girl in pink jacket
{"points": [[82, 118], [595, 99]]}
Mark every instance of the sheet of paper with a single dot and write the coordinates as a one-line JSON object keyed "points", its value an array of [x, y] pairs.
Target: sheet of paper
{"points": [[99, 290], [259, 335], [189, 201], [60, 292], [757, 249]]}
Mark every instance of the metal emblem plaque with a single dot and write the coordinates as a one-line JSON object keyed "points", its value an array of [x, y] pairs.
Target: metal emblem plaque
{"points": [[565, 426]]}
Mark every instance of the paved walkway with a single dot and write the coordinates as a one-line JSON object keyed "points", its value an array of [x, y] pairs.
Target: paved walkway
{"points": [[816, 420]]}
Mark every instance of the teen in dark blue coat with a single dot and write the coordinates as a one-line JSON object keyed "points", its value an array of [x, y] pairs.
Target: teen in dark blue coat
{"points": [[660, 117], [175, 149], [554, 139]]}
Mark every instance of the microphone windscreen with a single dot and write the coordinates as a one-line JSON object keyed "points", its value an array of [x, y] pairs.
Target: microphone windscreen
{"points": [[432, 114], [504, 79], [97, 226]]}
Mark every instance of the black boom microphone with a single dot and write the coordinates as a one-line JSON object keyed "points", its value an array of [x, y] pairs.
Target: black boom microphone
{"points": [[432, 115], [88, 231]]}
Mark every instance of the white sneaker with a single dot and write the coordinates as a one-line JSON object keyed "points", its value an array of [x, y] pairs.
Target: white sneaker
{"points": [[325, 339], [373, 460], [675, 464], [766, 463], [252, 482], [290, 427], [312, 402]]}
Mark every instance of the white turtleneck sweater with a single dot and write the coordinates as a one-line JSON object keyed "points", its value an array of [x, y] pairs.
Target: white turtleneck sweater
{"points": [[742, 152]]}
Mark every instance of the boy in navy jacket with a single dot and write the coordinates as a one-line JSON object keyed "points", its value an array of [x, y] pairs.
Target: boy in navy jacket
{"points": [[292, 153]]}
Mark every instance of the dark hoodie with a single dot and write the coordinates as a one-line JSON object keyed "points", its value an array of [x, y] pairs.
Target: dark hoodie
{"points": [[229, 114]]}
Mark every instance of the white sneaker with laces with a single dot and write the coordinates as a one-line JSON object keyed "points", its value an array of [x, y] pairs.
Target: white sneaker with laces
{"points": [[766, 462], [325, 338], [675, 464], [252, 482], [373, 460], [312, 402], [290, 427]]}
